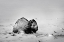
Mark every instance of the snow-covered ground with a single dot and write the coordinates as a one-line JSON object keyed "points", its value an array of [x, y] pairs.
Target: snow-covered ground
{"points": [[40, 36]]}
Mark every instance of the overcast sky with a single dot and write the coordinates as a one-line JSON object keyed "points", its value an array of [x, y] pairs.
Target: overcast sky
{"points": [[40, 9], [31, 8]]}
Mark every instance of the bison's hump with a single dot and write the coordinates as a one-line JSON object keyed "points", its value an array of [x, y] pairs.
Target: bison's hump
{"points": [[21, 23]]}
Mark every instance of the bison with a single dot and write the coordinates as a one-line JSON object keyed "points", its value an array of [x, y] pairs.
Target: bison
{"points": [[28, 27]]}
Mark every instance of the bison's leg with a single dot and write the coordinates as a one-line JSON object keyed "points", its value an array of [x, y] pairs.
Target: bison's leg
{"points": [[28, 31], [15, 30]]}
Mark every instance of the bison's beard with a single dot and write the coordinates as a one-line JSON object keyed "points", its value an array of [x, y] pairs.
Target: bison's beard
{"points": [[29, 31]]}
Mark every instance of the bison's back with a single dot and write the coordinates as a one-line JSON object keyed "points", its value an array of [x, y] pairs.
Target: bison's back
{"points": [[20, 24]]}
